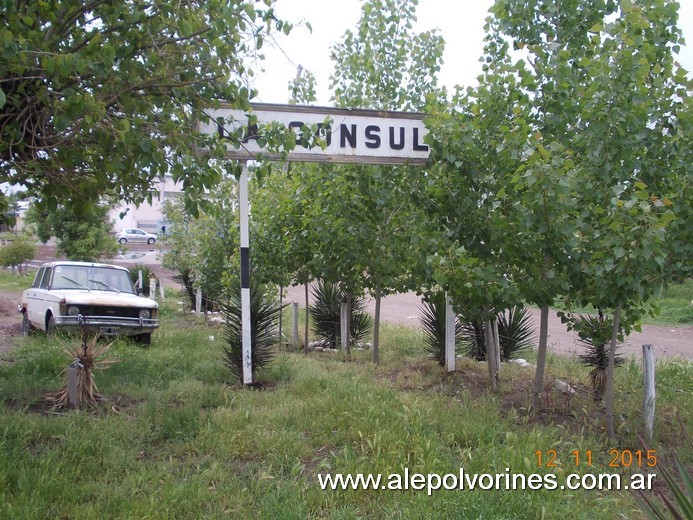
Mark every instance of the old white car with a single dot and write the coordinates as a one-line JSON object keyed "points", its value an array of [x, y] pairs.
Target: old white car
{"points": [[78, 295]]}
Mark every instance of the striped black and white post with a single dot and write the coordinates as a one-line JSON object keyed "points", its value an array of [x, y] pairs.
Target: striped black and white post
{"points": [[245, 278]]}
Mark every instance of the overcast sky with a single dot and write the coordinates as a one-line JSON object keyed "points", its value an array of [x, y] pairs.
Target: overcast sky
{"points": [[459, 21]]}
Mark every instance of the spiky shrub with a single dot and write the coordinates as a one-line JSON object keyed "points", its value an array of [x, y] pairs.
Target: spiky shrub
{"points": [[679, 503], [147, 273], [325, 314], [594, 332], [88, 357], [264, 326], [433, 325], [515, 332], [515, 335], [474, 339]]}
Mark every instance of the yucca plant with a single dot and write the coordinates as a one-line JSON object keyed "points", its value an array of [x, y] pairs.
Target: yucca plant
{"points": [[515, 335], [594, 332], [325, 314], [87, 357], [679, 503], [264, 326], [433, 324], [147, 273], [515, 332]]}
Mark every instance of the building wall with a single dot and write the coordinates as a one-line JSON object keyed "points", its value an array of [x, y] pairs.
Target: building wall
{"points": [[147, 217]]}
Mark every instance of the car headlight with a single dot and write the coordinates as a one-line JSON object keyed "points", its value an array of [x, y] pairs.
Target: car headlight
{"points": [[145, 314], [72, 310]]}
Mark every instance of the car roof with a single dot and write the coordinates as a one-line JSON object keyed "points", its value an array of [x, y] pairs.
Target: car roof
{"points": [[82, 264]]}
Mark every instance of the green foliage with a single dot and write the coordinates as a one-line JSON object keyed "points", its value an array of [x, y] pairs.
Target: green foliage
{"points": [[264, 323], [98, 97], [18, 252], [81, 232], [201, 248], [433, 325], [325, 314]]}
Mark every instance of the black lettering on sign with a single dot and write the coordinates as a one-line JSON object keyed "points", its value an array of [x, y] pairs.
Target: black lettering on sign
{"points": [[393, 144], [417, 146], [299, 125], [252, 133], [346, 135], [372, 137]]}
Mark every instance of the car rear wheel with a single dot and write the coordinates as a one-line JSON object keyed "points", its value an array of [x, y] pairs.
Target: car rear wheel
{"points": [[151, 241], [26, 325], [122, 240]]}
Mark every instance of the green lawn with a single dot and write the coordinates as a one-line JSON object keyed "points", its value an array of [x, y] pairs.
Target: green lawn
{"points": [[177, 438]]}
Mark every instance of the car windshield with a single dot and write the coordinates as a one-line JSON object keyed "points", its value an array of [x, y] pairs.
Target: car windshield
{"points": [[92, 278]]}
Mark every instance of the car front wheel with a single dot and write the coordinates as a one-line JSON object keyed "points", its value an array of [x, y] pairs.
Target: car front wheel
{"points": [[144, 339], [26, 325], [151, 241], [122, 240], [50, 327]]}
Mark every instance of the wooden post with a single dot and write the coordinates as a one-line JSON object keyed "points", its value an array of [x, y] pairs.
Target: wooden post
{"points": [[295, 326], [72, 376], [648, 368], [152, 288], [161, 290], [245, 277], [198, 301], [343, 327], [449, 335], [140, 283], [492, 354], [281, 313]]}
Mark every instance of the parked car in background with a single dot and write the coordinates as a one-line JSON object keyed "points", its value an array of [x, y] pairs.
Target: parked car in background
{"points": [[81, 295], [135, 235]]}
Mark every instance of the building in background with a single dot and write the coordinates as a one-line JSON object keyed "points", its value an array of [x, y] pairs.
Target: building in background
{"points": [[147, 217]]}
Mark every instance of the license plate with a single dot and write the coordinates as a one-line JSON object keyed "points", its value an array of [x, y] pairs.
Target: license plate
{"points": [[110, 331]]}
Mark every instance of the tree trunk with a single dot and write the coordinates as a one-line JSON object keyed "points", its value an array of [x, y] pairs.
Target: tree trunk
{"points": [[376, 326], [610, 394], [541, 358], [305, 332]]}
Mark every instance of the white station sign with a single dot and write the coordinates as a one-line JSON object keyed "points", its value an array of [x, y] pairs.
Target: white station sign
{"points": [[352, 136]]}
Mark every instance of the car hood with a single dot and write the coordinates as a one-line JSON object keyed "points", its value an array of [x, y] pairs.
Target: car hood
{"points": [[111, 298]]}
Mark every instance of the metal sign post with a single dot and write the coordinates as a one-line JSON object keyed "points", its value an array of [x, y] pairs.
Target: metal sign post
{"points": [[245, 278]]}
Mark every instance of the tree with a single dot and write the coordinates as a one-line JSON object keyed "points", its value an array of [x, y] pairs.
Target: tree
{"points": [[85, 236], [382, 65], [18, 252], [98, 96], [203, 248]]}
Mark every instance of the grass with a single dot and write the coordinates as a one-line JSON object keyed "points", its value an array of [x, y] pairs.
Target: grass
{"points": [[176, 438]]}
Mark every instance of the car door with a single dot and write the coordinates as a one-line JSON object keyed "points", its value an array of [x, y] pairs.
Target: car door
{"points": [[36, 297]]}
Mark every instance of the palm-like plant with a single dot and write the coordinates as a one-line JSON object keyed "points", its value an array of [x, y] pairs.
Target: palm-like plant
{"points": [[325, 314], [595, 333], [433, 323], [515, 334], [264, 321], [85, 358]]}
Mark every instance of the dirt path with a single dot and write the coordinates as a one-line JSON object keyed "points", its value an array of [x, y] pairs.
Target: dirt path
{"points": [[669, 341]]}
